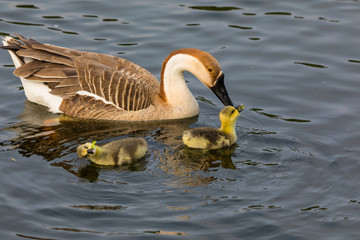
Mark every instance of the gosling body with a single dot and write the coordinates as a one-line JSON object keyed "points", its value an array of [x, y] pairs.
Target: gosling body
{"points": [[119, 152], [212, 138]]}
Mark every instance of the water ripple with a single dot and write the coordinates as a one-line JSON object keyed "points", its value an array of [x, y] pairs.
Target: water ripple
{"points": [[215, 8], [314, 65], [25, 23], [278, 13], [240, 27], [274, 116], [26, 6]]}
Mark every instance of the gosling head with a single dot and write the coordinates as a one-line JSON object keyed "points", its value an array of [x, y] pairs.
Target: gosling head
{"points": [[230, 114], [86, 150], [206, 68]]}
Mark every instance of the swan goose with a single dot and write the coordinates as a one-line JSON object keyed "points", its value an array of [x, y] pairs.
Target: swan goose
{"points": [[119, 152], [211, 138], [97, 86]]}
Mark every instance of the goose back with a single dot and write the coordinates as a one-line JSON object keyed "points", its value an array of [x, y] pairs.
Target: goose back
{"points": [[117, 83]]}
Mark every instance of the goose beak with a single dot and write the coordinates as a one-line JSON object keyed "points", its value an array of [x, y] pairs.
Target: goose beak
{"points": [[90, 151], [220, 91]]}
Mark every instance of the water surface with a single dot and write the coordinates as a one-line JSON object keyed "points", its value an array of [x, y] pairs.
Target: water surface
{"points": [[293, 174]]}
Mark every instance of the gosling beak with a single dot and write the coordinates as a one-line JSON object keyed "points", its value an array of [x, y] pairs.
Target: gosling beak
{"points": [[90, 151], [220, 91], [240, 108]]}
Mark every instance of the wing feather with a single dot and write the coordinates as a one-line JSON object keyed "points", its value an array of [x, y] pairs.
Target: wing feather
{"points": [[66, 71]]}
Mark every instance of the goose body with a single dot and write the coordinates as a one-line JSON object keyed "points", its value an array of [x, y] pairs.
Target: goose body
{"points": [[212, 138], [118, 152], [97, 86]]}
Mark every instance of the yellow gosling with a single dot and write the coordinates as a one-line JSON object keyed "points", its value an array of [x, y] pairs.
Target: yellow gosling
{"points": [[211, 138], [118, 152]]}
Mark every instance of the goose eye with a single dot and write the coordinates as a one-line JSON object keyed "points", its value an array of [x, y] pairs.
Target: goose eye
{"points": [[210, 70]]}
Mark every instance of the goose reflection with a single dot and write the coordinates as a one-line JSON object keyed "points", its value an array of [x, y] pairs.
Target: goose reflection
{"points": [[53, 136], [39, 132]]}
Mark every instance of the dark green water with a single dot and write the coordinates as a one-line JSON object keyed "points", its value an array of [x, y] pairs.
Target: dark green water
{"points": [[294, 173]]}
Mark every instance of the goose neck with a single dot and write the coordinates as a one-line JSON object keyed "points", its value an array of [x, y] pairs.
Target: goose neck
{"points": [[173, 84]]}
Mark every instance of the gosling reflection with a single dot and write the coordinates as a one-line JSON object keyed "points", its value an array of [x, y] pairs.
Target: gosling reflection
{"points": [[91, 171], [183, 164]]}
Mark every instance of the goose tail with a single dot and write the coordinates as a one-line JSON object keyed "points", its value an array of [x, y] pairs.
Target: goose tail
{"points": [[35, 91], [12, 45]]}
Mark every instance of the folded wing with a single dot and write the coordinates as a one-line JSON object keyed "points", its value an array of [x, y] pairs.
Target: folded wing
{"points": [[70, 73]]}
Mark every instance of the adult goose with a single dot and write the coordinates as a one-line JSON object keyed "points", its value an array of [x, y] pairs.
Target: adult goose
{"points": [[97, 86]]}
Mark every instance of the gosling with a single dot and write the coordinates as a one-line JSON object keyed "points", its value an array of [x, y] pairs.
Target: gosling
{"points": [[118, 152], [211, 138]]}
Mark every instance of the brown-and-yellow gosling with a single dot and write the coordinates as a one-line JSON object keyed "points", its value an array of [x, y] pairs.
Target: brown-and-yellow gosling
{"points": [[118, 152], [211, 138]]}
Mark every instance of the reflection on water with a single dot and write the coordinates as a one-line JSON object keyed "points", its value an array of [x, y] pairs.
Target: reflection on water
{"points": [[52, 17], [311, 65], [76, 230], [53, 137], [25, 23], [166, 232], [90, 16], [189, 167], [40, 127], [110, 20], [56, 137], [274, 116], [26, 6], [214, 8], [98, 207], [287, 178], [278, 13], [240, 27]]}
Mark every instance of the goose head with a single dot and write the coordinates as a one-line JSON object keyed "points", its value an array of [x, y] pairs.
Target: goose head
{"points": [[86, 150], [201, 64]]}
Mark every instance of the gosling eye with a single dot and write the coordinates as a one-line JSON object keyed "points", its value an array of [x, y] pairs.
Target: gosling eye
{"points": [[232, 111], [86, 147], [210, 70]]}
